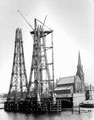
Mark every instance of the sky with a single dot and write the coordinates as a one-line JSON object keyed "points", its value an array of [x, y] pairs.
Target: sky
{"points": [[73, 25]]}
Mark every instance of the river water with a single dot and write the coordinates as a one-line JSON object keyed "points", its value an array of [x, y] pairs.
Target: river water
{"points": [[86, 114]]}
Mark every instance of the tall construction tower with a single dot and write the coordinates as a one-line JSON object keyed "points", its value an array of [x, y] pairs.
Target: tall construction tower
{"points": [[37, 96], [41, 81], [18, 84]]}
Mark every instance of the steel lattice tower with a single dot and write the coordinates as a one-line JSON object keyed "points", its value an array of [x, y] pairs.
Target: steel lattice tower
{"points": [[41, 82], [18, 84]]}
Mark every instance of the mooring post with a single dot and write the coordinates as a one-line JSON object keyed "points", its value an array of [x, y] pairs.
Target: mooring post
{"points": [[72, 109], [79, 108]]}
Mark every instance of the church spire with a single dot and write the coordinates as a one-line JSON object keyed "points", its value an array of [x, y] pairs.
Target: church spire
{"points": [[79, 59], [79, 66], [80, 72]]}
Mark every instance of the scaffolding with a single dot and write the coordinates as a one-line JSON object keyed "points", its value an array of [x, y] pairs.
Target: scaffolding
{"points": [[37, 96], [18, 84], [41, 81]]}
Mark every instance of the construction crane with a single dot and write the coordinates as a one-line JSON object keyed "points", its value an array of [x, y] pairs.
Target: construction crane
{"points": [[39, 59], [25, 20], [41, 80]]}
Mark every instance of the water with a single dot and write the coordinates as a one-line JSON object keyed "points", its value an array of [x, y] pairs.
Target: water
{"points": [[68, 115], [62, 116]]}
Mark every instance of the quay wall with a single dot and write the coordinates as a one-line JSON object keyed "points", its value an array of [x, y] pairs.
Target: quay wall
{"points": [[78, 98]]}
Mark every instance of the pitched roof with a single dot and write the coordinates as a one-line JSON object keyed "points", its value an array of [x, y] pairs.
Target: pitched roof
{"points": [[63, 88], [66, 80]]}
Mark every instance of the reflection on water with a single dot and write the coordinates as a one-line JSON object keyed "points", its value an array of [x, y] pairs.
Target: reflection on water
{"points": [[62, 116]]}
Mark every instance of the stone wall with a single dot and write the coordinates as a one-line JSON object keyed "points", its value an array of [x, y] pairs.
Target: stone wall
{"points": [[78, 98]]}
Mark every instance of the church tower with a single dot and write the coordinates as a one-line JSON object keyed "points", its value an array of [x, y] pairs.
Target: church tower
{"points": [[80, 72]]}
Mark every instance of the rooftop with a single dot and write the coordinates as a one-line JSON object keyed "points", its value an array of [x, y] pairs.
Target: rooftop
{"points": [[66, 80], [63, 88]]}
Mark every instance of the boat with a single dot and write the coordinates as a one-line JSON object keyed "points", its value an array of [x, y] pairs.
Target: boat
{"points": [[88, 104]]}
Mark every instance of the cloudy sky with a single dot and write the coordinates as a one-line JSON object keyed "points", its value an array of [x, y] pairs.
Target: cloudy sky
{"points": [[73, 25]]}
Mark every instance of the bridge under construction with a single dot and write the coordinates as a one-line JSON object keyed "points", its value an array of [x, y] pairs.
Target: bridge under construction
{"points": [[37, 95]]}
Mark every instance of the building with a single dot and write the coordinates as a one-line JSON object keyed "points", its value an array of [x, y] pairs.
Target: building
{"points": [[68, 85], [72, 88], [89, 92]]}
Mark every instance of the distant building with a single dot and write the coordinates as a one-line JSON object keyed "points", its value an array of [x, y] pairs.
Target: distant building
{"points": [[72, 88], [72, 84], [89, 92], [68, 85]]}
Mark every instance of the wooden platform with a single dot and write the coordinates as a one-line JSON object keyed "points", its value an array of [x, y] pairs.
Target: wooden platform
{"points": [[31, 106]]}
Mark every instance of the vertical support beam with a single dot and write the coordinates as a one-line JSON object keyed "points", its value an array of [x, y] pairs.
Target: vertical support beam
{"points": [[52, 60]]}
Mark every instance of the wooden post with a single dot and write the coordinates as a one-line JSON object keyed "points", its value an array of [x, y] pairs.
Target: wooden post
{"points": [[79, 108], [72, 110]]}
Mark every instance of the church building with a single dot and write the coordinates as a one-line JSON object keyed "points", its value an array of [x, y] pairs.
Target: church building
{"points": [[74, 83], [72, 88]]}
